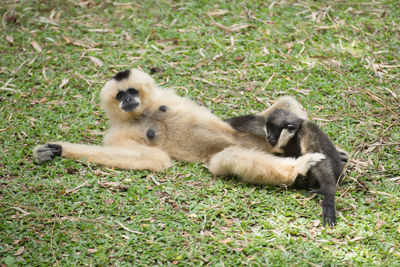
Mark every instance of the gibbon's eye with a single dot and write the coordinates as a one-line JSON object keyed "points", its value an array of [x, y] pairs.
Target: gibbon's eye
{"points": [[291, 127], [120, 95], [132, 91]]}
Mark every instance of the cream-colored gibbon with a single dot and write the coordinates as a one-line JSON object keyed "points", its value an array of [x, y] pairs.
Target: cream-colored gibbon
{"points": [[150, 125]]}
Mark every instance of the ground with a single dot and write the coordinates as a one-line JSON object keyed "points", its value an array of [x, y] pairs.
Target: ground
{"points": [[340, 59]]}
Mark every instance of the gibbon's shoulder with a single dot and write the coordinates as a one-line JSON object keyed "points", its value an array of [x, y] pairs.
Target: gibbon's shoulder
{"points": [[312, 130], [315, 138]]}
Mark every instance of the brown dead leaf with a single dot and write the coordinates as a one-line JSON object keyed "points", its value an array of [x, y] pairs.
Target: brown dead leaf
{"points": [[225, 241], [19, 251], [43, 100], [127, 36], [92, 250], [5, 129], [36, 46], [113, 185], [10, 39], [233, 28], [64, 82], [379, 223], [99, 30], [96, 61], [66, 39], [79, 43], [218, 12], [109, 201], [316, 223], [239, 58]]}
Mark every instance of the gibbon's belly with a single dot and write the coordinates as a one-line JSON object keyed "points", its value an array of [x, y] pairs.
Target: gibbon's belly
{"points": [[191, 136], [195, 143]]}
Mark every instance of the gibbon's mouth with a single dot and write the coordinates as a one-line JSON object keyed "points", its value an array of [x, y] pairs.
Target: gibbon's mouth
{"points": [[129, 107]]}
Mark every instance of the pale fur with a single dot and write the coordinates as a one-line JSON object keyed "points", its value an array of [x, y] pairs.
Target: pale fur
{"points": [[287, 103], [185, 131]]}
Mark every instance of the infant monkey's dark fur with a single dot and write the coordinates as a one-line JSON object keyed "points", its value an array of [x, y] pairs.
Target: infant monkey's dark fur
{"points": [[292, 136]]}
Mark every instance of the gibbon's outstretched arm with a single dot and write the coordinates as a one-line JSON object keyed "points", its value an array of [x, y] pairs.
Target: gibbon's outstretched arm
{"points": [[134, 157], [257, 167]]}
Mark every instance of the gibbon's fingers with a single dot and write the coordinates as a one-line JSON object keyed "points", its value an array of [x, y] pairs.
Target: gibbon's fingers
{"points": [[258, 167], [112, 156], [344, 156], [287, 103]]}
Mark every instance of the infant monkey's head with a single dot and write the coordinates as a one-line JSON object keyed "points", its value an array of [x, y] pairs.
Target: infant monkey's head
{"points": [[281, 126]]}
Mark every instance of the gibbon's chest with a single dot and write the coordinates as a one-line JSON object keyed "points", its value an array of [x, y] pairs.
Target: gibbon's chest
{"points": [[151, 128]]}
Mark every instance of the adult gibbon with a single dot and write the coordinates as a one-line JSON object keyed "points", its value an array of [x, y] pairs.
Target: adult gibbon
{"points": [[149, 126], [291, 136]]}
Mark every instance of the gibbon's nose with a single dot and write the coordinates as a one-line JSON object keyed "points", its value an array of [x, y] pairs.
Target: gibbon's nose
{"points": [[129, 104], [271, 140]]}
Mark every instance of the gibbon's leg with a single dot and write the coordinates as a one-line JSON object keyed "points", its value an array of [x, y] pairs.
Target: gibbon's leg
{"points": [[132, 157], [287, 103], [258, 167], [327, 181]]}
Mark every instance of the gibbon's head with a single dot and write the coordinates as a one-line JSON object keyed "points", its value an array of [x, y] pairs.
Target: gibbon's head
{"points": [[127, 94], [281, 126]]}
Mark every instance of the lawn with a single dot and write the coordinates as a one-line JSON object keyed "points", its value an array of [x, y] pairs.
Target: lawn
{"points": [[340, 59]]}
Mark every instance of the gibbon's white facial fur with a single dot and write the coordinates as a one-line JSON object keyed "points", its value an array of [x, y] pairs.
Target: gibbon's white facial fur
{"points": [[122, 82], [129, 99]]}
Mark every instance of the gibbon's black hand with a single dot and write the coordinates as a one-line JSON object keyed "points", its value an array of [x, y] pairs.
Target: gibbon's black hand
{"points": [[56, 149], [47, 152]]}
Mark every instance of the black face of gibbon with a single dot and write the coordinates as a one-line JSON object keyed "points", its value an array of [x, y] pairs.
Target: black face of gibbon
{"points": [[281, 120], [128, 99]]}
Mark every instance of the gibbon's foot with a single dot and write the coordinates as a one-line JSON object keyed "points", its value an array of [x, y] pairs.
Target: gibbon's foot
{"points": [[344, 156], [328, 211], [328, 208], [46, 152], [305, 162]]}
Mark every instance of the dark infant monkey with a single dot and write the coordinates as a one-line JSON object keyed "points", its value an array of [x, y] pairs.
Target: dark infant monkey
{"points": [[291, 136]]}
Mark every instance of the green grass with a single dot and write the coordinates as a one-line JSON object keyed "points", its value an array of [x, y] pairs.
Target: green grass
{"points": [[340, 59]]}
